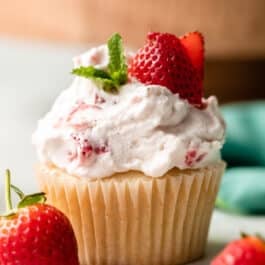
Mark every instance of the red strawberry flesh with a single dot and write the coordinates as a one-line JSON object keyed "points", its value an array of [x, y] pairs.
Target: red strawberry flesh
{"points": [[165, 61], [194, 44]]}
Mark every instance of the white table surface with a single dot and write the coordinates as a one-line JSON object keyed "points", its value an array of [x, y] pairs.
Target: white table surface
{"points": [[31, 76]]}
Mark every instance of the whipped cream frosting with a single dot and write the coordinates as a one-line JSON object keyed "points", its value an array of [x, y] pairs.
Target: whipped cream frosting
{"points": [[94, 134]]}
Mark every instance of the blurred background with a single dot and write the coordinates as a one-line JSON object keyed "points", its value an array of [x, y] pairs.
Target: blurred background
{"points": [[38, 39], [234, 32]]}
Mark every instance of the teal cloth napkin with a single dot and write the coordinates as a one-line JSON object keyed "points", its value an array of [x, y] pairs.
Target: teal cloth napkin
{"points": [[243, 185]]}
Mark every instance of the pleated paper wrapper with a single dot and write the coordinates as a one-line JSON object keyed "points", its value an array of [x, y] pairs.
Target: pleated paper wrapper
{"points": [[131, 219]]}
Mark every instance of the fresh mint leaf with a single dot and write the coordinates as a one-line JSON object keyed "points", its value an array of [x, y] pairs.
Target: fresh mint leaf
{"points": [[117, 67], [116, 73], [98, 75], [108, 85], [90, 72]]}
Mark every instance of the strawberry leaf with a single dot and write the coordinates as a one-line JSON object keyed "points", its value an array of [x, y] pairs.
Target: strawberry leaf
{"points": [[20, 193], [32, 199], [260, 237], [9, 214], [243, 235]]}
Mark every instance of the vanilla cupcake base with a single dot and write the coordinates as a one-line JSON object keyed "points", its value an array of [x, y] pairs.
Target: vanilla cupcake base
{"points": [[130, 219]]}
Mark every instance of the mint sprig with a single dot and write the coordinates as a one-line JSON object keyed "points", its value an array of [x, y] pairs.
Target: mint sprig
{"points": [[97, 75], [116, 73], [117, 63]]}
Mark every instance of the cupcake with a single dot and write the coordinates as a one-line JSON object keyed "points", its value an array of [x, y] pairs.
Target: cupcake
{"points": [[130, 152]]}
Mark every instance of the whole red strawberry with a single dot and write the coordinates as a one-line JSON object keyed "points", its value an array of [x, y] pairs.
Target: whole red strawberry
{"points": [[250, 250], [176, 63], [35, 233]]}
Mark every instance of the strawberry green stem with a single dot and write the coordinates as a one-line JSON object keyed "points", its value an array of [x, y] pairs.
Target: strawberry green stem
{"points": [[8, 190]]}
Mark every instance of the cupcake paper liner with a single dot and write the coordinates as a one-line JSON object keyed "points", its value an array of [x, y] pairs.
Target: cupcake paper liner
{"points": [[130, 219]]}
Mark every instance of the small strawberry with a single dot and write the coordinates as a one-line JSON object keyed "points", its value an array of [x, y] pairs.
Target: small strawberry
{"points": [[249, 250], [35, 233], [176, 63]]}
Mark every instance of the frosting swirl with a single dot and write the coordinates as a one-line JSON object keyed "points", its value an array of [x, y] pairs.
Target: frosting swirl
{"points": [[94, 134]]}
